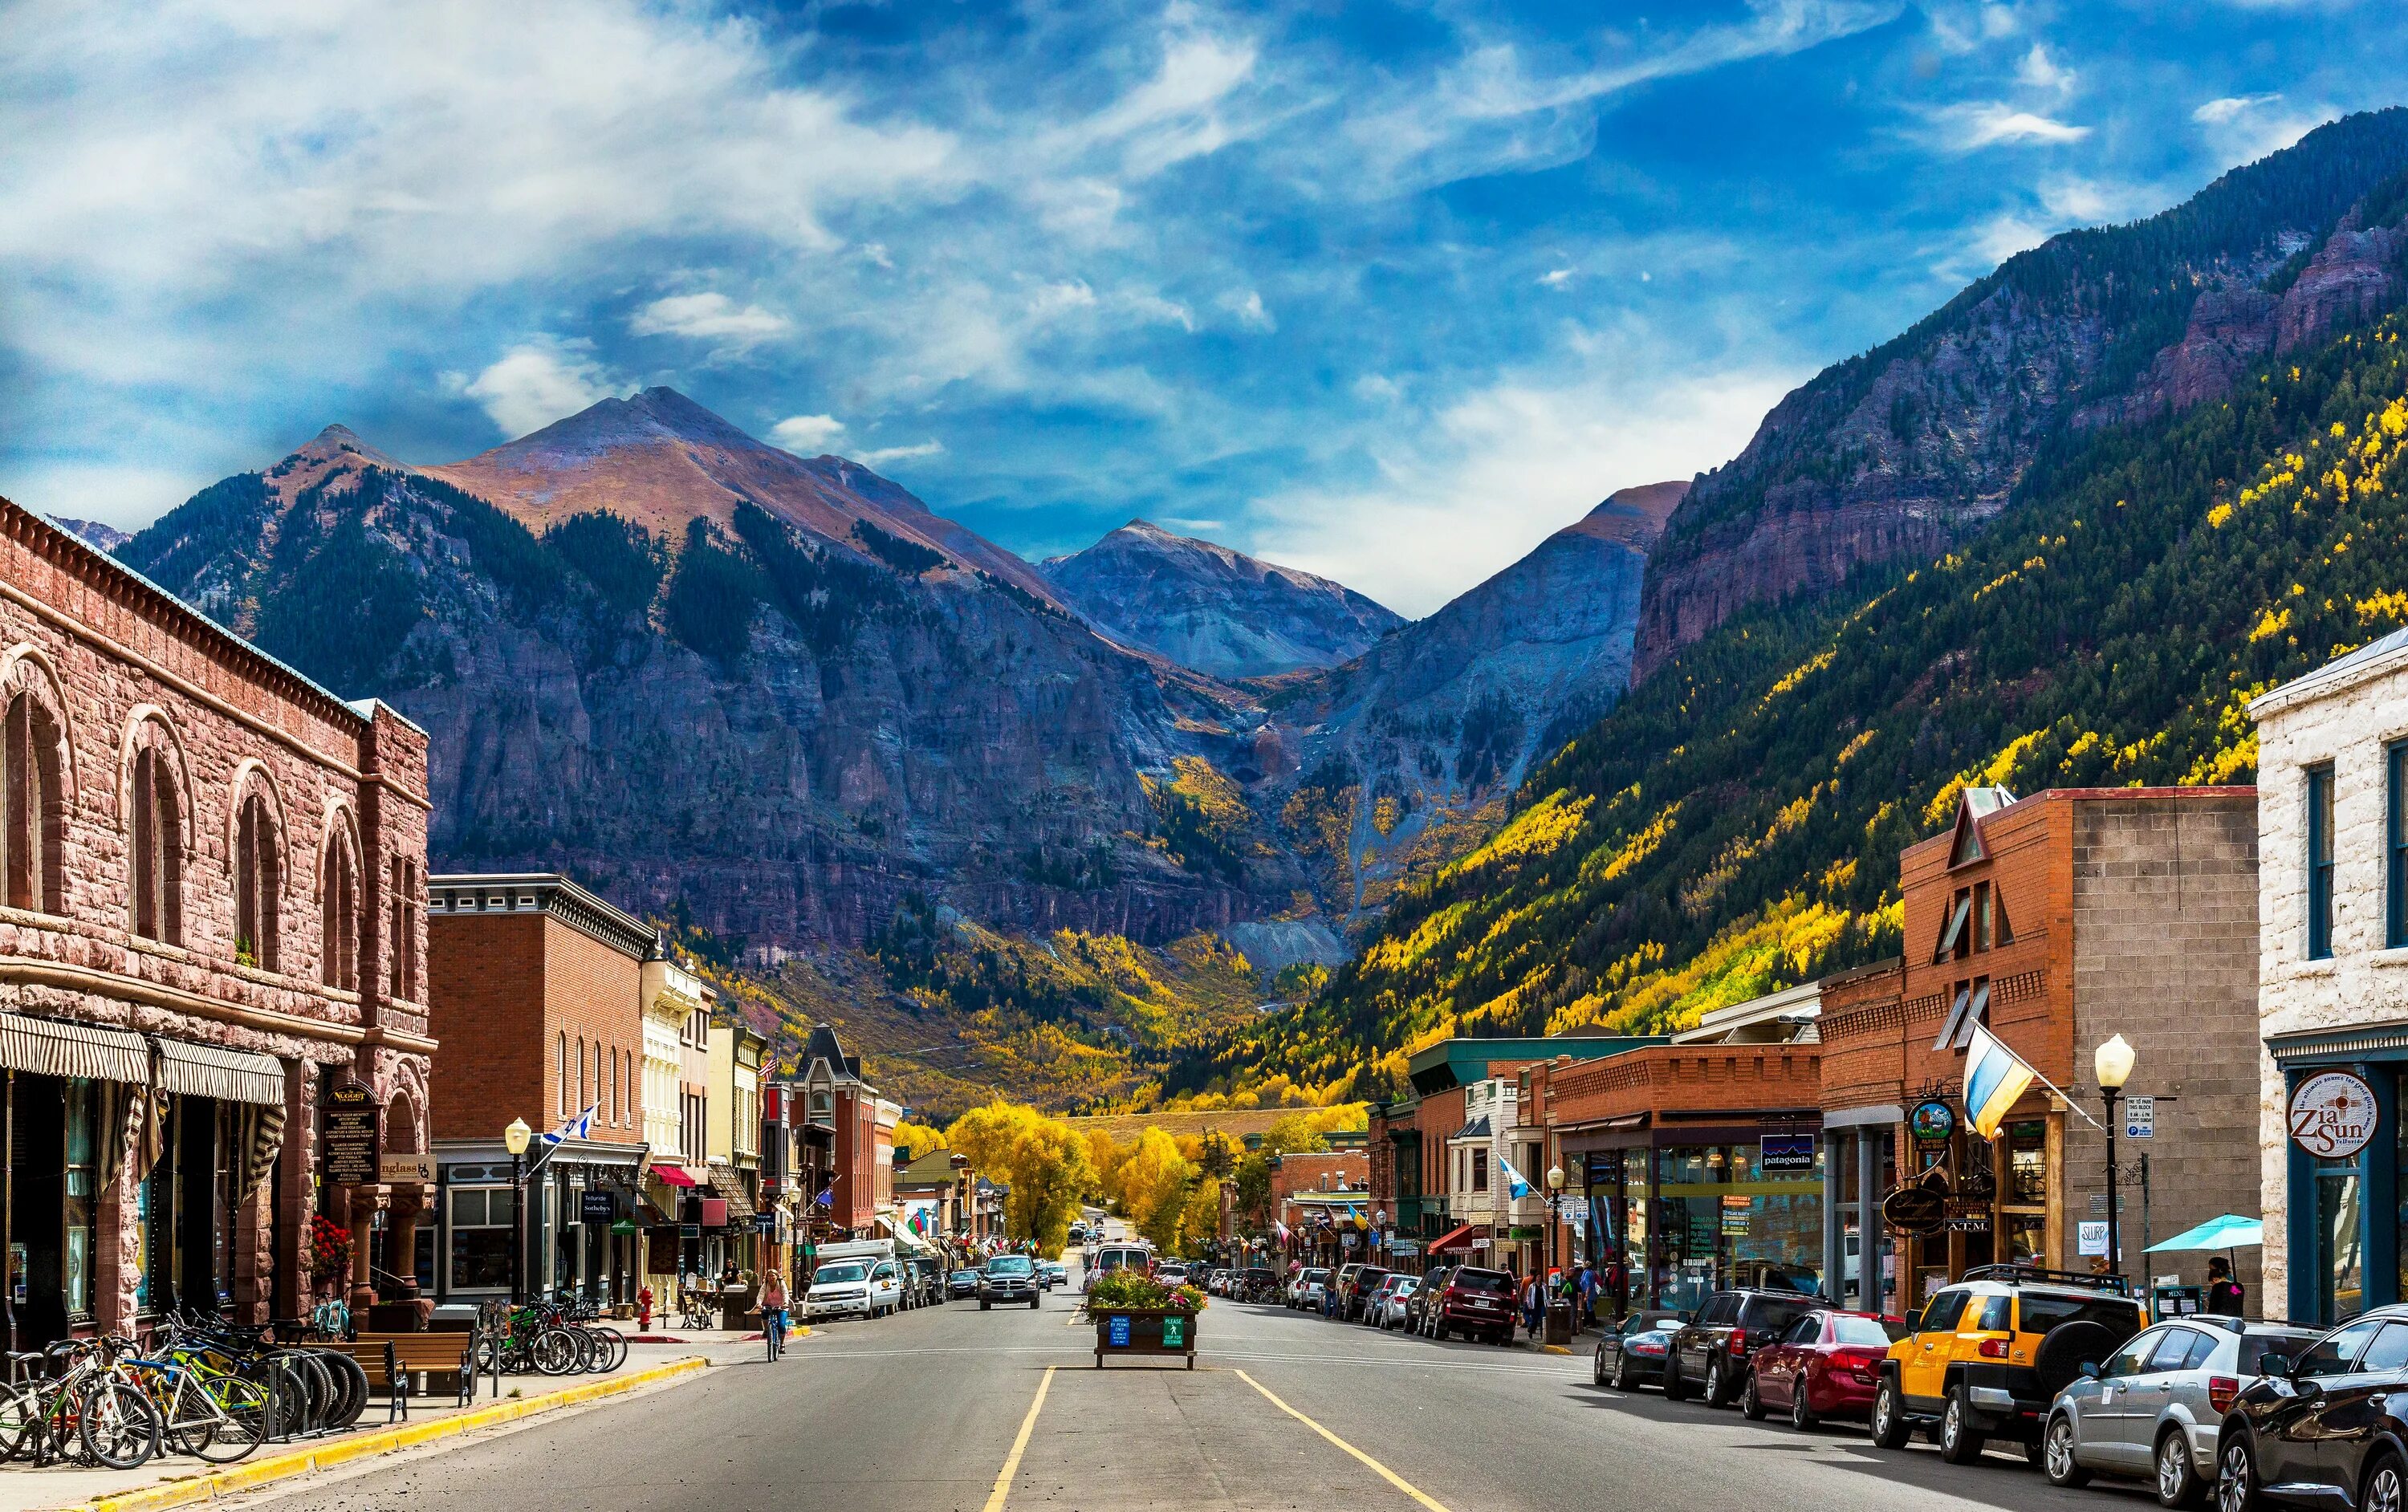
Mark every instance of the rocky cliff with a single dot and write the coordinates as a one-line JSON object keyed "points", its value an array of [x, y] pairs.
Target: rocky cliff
{"points": [[776, 696], [1899, 451], [1216, 610]]}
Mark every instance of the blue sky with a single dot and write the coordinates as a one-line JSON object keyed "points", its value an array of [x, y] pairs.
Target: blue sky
{"points": [[1388, 292]]}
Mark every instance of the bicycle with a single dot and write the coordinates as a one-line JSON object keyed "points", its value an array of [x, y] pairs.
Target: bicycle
{"points": [[207, 1413]]}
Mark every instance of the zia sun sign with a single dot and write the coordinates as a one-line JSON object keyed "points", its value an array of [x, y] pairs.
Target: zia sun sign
{"points": [[2332, 1114]]}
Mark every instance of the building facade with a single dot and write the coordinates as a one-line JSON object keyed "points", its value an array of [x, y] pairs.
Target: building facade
{"points": [[211, 888]]}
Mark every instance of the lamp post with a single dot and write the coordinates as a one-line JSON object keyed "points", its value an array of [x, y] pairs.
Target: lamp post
{"points": [[2113, 1061], [515, 1140], [1555, 1209]]}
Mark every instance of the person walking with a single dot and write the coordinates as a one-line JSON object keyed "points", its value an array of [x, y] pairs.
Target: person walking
{"points": [[1584, 1283], [1534, 1303], [773, 1311], [2224, 1294]]}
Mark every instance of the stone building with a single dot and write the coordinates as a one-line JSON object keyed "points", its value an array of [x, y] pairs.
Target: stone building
{"points": [[211, 884], [2057, 922], [2332, 816]]}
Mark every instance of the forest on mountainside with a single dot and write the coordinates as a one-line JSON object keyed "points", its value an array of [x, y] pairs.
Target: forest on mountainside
{"points": [[1734, 825]]}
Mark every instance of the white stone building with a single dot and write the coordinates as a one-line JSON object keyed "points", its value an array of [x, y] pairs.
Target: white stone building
{"points": [[2333, 827]]}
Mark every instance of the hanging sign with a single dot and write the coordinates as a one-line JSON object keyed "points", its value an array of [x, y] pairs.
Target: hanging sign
{"points": [[1785, 1155], [348, 1150], [597, 1206], [2090, 1238], [2140, 1117], [2332, 1114], [1917, 1209], [1931, 1122]]}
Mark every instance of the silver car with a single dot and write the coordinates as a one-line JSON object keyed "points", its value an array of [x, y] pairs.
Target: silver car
{"points": [[1392, 1306], [2150, 1408]]}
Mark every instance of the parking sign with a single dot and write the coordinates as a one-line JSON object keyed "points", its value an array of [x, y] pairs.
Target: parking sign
{"points": [[2140, 1120]]}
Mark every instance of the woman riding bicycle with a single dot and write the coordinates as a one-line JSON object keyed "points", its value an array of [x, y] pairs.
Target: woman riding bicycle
{"points": [[773, 1309]]}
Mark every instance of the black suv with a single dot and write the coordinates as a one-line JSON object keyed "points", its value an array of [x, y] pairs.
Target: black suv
{"points": [[1358, 1291], [2328, 1428], [1009, 1279], [1714, 1347]]}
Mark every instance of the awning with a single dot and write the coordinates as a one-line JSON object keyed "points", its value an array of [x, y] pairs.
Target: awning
{"points": [[726, 1183], [1456, 1240], [672, 1176], [228, 1075], [48, 1048]]}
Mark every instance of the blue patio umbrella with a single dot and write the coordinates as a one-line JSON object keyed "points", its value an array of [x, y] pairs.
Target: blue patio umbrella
{"points": [[2230, 1232]]}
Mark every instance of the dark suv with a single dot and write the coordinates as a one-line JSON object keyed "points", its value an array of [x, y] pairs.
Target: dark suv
{"points": [[1479, 1303], [1359, 1289], [1714, 1345], [2328, 1428]]}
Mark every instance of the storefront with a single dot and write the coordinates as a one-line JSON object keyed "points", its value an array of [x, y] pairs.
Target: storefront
{"points": [[2347, 1232], [579, 1233]]}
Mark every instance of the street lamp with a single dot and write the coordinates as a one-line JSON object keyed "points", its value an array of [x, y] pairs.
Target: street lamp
{"points": [[2113, 1061], [515, 1140]]}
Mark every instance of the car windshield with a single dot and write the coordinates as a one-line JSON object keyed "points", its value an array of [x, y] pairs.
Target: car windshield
{"points": [[1777, 1316], [1008, 1265], [848, 1270], [2041, 1313], [1859, 1330], [1316, 1275], [1493, 1282]]}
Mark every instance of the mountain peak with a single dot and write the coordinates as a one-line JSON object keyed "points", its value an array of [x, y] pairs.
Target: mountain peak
{"points": [[338, 442]]}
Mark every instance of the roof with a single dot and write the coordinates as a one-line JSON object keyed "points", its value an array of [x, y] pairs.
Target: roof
{"points": [[1453, 1062], [460, 894], [823, 1046], [935, 1168], [1792, 1009], [2375, 656], [1477, 1129]]}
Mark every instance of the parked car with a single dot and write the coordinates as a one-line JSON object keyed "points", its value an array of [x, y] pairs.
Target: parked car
{"points": [[2155, 1407], [1375, 1300], [1257, 1282], [1056, 1273], [1011, 1279], [2325, 1426], [925, 1278], [1827, 1364], [1712, 1349], [1636, 1350], [1343, 1279], [1392, 1306], [1305, 1291], [1476, 1303], [1421, 1312], [1359, 1290], [962, 1283], [873, 1288], [1991, 1352], [1113, 1257], [1172, 1273]]}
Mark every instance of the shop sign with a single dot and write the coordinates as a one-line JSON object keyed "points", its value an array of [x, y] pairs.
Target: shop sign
{"points": [[1967, 1215], [1785, 1155], [1735, 1214], [597, 1206], [1915, 1210], [1931, 1122], [347, 1153], [406, 1167], [2332, 1114], [2090, 1238]]}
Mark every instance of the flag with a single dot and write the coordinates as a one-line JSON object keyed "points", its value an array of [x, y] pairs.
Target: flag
{"points": [[1994, 1077], [1517, 1188], [826, 1197], [579, 1127]]}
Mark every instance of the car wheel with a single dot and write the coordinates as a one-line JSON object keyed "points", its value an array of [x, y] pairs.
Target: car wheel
{"points": [[2236, 1476], [1889, 1428], [1675, 1389], [2056, 1460], [1597, 1366], [1801, 1413], [2386, 1485], [2179, 1483], [1717, 1383], [1958, 1443], [1623, 1380], [1751, 1406]]}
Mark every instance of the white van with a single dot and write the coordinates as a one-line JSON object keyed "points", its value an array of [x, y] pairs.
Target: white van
{"points": [[1114, 1257], [863, 1284]]}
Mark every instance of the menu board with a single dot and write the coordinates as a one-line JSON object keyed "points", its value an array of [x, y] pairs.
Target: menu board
{"points": [[347, 1150]]}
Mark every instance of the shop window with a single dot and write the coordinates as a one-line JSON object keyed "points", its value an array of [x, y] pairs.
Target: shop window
{"points": [[480, 1238], [338, 905], [258, 884], [2395, 845], [80, 1217], [157, 906], [35, 830], [2320, 861]]}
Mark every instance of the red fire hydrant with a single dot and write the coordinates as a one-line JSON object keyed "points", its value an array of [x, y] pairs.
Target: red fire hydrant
{"points": [[644, 1309]]}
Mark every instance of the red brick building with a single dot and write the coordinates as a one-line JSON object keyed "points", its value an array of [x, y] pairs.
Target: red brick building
{"points": [[211, 875], [861, 1184], [535, 986]]}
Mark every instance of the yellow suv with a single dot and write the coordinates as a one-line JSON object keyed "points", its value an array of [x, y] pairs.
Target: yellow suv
{"points": [[1992, 1351]]}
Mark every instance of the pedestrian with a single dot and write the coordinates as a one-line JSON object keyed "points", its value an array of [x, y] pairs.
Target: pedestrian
{"points": [[1534, 1299], [773, 1311], [2224, 1294], [1586, 1281]]}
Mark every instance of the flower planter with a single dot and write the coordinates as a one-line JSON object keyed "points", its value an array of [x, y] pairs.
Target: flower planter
{"points": [[1159, 1331]]}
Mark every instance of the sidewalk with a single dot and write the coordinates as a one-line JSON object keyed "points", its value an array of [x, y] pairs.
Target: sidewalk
{"points": [[176, 1480]]}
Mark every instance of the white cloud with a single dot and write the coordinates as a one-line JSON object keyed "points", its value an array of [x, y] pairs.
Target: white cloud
{"points": [[1974, 126], [807, 435], [2038, 71], [540, 382], [2217, 112], [884, 455], [1055, 299], [1557, 278], [1247, 306], [707, 317]]}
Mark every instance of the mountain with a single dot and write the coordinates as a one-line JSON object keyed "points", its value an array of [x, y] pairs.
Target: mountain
{"points": [[1400, 757], [1733, 825], [92, 533], [1894, 455], [778, 698], [1219, 611]]}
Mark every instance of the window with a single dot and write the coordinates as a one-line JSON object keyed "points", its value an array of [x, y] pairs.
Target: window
{"points": [[2333, 1354], [2388, 1354], [258, 883], [338, 905], [2320, 861], [2130, 1359], [1480, 1170], [2395, 845], [559, 1079], [402, 910], [481, 1236], [1952, 945], [2174, 1348], [79, 1252], [1940, 1316], [1980, 916], [157, 905], [35, 819]]}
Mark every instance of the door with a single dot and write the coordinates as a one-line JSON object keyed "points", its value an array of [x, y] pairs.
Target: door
{"points": [[1781, 1368], [1923, 1367], [2115, 1427], [2354, 1406], [1696, 1341], [2289, 1450]]}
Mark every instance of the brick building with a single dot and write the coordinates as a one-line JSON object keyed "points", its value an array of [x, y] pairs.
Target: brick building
{"points": [[535, 985], [2057, 921], [861, 1186], [210, 898]]}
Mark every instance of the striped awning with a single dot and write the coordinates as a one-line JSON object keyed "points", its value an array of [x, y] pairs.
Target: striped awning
{"points": [[50, 1048], [229, 1076]]}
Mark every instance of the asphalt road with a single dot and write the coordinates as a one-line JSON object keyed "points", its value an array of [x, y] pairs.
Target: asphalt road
{"points": [[921, 1412]]}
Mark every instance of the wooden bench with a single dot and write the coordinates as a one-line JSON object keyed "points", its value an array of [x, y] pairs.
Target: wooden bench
{"points": [[404, 1355]]}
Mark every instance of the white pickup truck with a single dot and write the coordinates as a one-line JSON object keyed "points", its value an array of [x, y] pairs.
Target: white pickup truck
{"points": [[861, 1284]]}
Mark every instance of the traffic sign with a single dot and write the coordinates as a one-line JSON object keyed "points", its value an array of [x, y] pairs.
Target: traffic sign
{"points": [[2140, 1117]]}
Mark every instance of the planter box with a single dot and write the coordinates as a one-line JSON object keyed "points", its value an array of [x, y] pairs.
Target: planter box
{"points": [[1169, 1331]]}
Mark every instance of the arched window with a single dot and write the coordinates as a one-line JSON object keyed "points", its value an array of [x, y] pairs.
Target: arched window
{"points": [[35, 821], [338, 906], [561, 1065], [401, 912], [595, 1100], [258, 884], [158, 870]]}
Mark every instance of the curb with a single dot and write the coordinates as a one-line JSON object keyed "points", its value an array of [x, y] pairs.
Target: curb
{"points": [[1554, 1349], [258, 1473]]}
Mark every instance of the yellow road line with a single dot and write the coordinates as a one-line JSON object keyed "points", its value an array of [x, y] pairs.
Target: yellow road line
{"points": [[1020, 1445], [1391, 1477]]}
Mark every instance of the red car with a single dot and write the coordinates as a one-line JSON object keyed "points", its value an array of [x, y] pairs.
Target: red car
{"points": [[1825, 1364]]}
